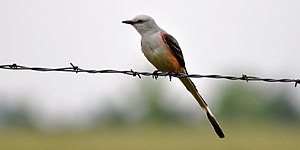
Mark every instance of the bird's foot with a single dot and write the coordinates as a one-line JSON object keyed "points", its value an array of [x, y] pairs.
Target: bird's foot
{"points": [[172, 74], [155, 74]]}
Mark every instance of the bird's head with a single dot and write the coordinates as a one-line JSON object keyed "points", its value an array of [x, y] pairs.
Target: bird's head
{"points": [[143, 24]]}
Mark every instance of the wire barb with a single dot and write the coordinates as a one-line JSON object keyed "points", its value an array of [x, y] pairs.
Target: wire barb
{"points": [[154, 75], [13, 66], [245, 77], [75, 68], [135, 73], [297, 82]]}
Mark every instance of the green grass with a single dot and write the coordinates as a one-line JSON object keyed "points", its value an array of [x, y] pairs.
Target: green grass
{"points": [[150, 137]]}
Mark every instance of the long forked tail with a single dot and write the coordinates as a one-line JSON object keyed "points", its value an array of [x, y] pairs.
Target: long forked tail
{"points": [[192, 88]]}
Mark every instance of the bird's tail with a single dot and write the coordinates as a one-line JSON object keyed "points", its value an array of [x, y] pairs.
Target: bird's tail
{"points": [[192, 88]]}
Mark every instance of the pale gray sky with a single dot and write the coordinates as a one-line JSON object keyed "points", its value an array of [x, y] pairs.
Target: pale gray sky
{"points": [[255, 37]]}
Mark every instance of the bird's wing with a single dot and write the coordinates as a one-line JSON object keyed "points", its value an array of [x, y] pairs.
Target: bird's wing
{"points": [[174, 46]]}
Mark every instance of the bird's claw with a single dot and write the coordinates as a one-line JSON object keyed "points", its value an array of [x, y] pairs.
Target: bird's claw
{"points": [[155, 74]]}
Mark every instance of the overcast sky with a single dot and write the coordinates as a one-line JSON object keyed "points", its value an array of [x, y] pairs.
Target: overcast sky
{"points": [[255, 37]]}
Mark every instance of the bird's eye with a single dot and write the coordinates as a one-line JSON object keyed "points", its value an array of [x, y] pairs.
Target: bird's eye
{"points": [[140, 21]]}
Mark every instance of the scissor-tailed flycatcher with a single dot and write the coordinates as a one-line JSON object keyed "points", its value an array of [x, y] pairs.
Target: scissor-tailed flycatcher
{"points": [[163, 51]]}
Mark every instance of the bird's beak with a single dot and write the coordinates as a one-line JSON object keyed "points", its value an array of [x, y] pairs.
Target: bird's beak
{"points": [[128, 22]]}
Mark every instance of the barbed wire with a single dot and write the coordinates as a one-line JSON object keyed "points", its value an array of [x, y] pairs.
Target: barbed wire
{"points": [[155, 74]]}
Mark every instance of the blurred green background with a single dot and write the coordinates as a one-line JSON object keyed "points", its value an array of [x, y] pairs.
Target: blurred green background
{"points": [[252, 117], [52, 110]]}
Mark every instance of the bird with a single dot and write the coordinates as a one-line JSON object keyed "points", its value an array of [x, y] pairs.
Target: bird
{"points": [[164, 53]]}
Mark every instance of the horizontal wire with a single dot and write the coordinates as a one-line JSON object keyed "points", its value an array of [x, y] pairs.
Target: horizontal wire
{"points": [[154, 74]]}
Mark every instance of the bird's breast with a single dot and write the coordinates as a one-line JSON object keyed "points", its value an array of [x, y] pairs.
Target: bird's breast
{"points": [[159, 54]]}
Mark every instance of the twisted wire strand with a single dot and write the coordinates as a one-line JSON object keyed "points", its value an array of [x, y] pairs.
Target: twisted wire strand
{"points": [[155, 74]]}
